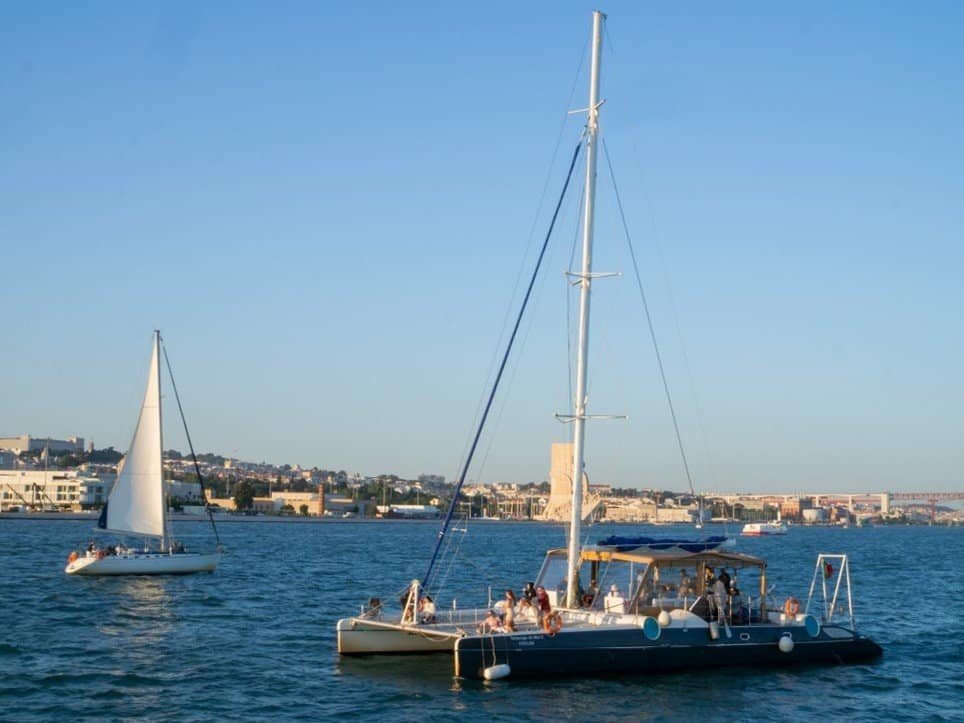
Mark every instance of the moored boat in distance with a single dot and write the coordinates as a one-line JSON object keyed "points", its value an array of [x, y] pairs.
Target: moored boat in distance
{"points": [[759, 529]]}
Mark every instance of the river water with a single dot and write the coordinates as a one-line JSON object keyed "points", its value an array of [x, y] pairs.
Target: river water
{"points": [[255, 640]]}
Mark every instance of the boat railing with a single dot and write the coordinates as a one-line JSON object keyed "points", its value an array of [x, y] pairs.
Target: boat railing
{"points": [[830, 594]]}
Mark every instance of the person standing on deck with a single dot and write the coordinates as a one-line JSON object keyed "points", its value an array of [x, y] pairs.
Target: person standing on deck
{"points": [[543, 607], [508, 620]]}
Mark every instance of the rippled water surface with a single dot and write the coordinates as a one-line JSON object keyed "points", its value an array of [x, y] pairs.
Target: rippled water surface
{"points": [[255, 640]]}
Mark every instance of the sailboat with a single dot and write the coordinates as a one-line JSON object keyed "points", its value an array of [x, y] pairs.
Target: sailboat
{"points": [[619, 606], [137, 504]]}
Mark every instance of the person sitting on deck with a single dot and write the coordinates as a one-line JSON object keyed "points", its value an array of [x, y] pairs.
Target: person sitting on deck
{"points": [[374, 608], [527, 613], [491, 624], [615, 603], [426, 610]]}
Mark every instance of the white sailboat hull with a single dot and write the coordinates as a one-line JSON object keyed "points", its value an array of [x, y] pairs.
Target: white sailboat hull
{"points": [[144, 563]]}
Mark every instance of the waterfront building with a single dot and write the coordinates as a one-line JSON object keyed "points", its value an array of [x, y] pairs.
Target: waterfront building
{"points": [[314, 501], [814, 515], [51, 490], [187, 491], [676, 514], [225, 503], [628, 509], [26, 443], [340, 506]]}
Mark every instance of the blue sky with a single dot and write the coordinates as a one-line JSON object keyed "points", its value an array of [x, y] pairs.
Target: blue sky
{"points": [[325, 208]]}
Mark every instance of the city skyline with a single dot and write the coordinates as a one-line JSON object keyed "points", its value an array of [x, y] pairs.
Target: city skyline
{"points": [[325, 211]]}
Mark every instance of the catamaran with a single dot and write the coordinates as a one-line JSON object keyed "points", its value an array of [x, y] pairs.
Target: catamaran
{"points": [[137, 504], [624, 605]]}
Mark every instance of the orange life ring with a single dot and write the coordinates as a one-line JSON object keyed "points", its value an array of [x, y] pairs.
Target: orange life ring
{"points": [[72, 557], [100, 554], [791, 607], [552, 623]]}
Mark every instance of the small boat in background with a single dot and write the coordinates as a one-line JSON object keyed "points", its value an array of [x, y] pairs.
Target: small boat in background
{"points": [[760, 529]]}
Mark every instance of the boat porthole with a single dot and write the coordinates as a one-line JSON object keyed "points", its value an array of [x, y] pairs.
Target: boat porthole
{"points": [[651, 628], [744, 636], [812, 625]]}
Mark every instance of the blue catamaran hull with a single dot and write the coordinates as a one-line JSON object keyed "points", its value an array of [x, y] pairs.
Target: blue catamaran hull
{"points": [[628, 651]]}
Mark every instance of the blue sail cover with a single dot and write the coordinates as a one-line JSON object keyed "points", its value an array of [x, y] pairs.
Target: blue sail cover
{"points": [[623, 544], [102, 520]]}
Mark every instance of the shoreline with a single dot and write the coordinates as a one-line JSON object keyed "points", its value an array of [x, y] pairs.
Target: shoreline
{"points": [[92, 517], [298, 520]]}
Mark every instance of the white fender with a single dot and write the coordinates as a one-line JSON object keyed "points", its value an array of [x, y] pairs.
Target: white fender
{"points": [[495, 672]]}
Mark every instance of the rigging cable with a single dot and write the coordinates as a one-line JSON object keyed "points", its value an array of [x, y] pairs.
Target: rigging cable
{"points": [[197, 467], [502, 365], [649, 322]]}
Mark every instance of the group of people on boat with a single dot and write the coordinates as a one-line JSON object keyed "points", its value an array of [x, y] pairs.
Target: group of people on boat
{"points": [[105, 551], [721, 599], [92, 550], [414, 608], [716, 598], [532, 606]]}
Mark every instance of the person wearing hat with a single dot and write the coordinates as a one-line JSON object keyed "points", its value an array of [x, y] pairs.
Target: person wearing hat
{"points": [[614, 602]]}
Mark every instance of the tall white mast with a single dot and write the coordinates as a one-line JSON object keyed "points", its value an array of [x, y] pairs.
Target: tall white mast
{"points": [[585, 280]]}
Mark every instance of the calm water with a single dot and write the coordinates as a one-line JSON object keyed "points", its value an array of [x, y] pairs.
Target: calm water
{"points": [[255, 640]]}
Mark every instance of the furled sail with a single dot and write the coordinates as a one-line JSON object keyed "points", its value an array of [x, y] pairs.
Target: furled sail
{"points": [[136, 504]]}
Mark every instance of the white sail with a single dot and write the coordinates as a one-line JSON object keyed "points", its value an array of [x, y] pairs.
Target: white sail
{"points": [[136, 504]]}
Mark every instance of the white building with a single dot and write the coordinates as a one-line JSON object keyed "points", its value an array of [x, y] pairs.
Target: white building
{"points": [[52, 489], [26, 443]]}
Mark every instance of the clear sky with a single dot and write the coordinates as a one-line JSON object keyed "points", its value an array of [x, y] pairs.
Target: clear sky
{"points": [[325, 207]]}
